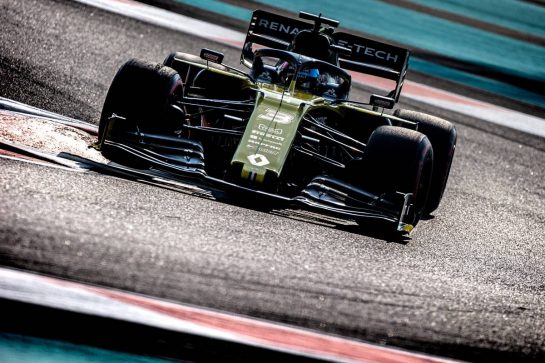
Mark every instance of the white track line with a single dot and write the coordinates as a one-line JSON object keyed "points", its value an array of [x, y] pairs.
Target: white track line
{"points": [[412, 90], [71, 296], [167, 19]]}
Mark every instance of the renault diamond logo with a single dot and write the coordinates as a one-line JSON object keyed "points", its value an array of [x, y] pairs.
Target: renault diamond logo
{"points": [[258, 160]]}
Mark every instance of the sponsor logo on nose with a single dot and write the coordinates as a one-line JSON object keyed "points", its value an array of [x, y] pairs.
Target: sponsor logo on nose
{"points": [[258, 160]]}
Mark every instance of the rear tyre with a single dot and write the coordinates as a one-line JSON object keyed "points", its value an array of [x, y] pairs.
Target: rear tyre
{"points": [[141, 92], [398, 159], [442, 135]]}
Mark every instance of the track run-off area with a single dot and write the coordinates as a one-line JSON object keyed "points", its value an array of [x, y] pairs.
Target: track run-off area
{"points": [[467, 284]]}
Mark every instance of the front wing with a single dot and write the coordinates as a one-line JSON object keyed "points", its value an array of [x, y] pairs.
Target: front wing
{"points": [[180, 158]]}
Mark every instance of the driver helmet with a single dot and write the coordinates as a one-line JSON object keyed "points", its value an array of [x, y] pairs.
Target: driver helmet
{"points": [[309, 74], [308, 78]]}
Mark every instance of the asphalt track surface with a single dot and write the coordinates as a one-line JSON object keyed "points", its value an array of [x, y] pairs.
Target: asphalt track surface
{"points": [[468, 283]]}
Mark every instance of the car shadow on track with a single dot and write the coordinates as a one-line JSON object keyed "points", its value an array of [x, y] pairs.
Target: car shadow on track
{"points": [[374, 229]]}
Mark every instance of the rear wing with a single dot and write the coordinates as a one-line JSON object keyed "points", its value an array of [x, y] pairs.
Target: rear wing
{"points": [[375, 58], [367, 56], [270, 30]]}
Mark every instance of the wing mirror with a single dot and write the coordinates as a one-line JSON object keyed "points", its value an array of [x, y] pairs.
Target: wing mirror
{"points": [[211, 55], [382, 101]]}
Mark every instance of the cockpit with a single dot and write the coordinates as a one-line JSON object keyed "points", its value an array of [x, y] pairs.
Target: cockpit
{"points": [[319, 78]]}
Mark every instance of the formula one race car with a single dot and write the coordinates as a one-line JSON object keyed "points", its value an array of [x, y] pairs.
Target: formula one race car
{"points": [[286, 130]]}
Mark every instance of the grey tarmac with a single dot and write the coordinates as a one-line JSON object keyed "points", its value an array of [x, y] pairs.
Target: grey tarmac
{"points": [[468, 283]]}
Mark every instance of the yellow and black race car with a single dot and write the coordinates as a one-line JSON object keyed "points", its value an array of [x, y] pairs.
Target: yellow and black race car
{"points": [[285, 130]]}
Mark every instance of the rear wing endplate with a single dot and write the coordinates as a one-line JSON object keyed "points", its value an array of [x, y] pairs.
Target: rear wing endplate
{"points": [[375, 58], [270, 30]]}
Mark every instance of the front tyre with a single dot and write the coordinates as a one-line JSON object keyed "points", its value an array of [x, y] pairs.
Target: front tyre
{"points": [[400, 160], [141, 92]]}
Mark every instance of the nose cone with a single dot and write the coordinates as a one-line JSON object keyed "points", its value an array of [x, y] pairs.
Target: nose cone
{"points": [[268, 137]]}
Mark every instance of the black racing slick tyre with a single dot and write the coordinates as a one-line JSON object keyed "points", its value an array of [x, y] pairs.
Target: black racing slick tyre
{"points": [[141, 92], [442, 135], [398, 159]]}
